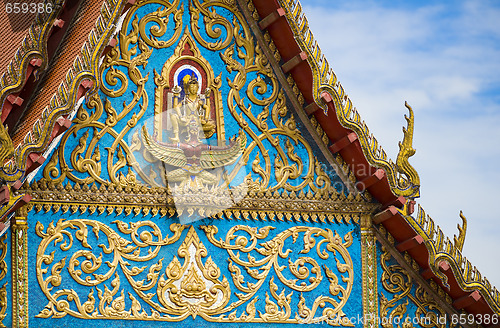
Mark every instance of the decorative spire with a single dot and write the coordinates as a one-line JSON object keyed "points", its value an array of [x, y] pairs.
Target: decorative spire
{"points": [[406, 150], [459, 242]]}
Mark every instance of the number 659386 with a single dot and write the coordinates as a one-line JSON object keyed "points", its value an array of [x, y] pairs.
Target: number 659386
{"points": [[28, 7]]}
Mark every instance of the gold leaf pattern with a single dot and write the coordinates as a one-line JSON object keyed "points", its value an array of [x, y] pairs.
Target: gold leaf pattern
{"points": [[191, 284]]}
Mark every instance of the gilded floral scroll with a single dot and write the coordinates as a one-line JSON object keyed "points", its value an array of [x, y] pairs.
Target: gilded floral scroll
{"points": [[91, 270], [104, 143], [3, 274], [406, 301]]}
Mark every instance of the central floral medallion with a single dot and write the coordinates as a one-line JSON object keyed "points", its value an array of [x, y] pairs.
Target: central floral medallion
{"points": [[193, 287]]}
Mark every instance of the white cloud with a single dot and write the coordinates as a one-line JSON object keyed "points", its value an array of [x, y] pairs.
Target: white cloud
{"points": [[447, 67]]}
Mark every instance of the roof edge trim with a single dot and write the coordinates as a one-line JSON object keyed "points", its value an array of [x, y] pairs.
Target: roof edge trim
{"points": [[84, 68], [403, 179], [441, 249]]}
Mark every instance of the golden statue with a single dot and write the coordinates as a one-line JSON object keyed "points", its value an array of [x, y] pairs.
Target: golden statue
{"points": [[191, 112]]}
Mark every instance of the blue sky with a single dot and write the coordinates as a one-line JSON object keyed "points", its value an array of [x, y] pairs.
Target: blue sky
{"points": [[444, 59]]}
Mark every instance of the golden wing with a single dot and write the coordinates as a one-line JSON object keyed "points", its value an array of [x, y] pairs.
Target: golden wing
{"points": [[211, 159], [170, 156]]}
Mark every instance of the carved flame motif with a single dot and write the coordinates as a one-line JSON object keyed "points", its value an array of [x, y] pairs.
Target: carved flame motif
{"points": [[193, 287]]}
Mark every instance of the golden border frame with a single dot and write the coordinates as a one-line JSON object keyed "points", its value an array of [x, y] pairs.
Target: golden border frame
{"points": [[20, 269], [369, 269]]}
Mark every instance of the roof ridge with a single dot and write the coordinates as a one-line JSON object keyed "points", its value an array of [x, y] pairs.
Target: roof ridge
{"points": [[402, 177], [84, 67]]}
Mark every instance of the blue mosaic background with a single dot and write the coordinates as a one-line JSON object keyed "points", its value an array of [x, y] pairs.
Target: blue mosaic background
{"points": [[156, 61], [7, 280], [220, 257]]}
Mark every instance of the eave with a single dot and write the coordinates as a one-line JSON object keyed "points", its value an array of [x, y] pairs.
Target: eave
{"points": [[438, 258], [66, 45], [19, 82]]}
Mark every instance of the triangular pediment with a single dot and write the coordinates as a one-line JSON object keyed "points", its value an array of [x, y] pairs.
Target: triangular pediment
{"points": [[196, 115]]}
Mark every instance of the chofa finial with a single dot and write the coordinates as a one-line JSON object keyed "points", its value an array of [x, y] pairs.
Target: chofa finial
{"points": [[459, 242], [411, 180]]}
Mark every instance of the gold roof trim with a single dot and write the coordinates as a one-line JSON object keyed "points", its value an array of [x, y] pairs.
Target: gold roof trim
{"points": [[441, 249], [129, 196], [34, 45], [403, 178], [85, 66]]}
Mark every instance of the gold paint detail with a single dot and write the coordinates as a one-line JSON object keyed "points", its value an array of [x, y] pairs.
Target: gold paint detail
{"points": [[144, 244], [244, 239], [34, 46], [195, 173], [286, 171], [193, 288], [20, 269], [462, 230], [3, 274], [15, 197], [191, 284], [6, 148], [369, 269], [441, 248], [158, 24], [406, 150], [403, 179], [211, 93], [213, 23], [398, 282], [285, 137], [128, 196], [61, 103]]}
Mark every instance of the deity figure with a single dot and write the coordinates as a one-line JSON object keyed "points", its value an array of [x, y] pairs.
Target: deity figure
{"points": [[193, 158], [191, 112]]}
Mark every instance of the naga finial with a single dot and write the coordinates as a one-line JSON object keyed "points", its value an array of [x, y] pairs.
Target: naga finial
{"points": [[459, 242], [406, 150]]}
